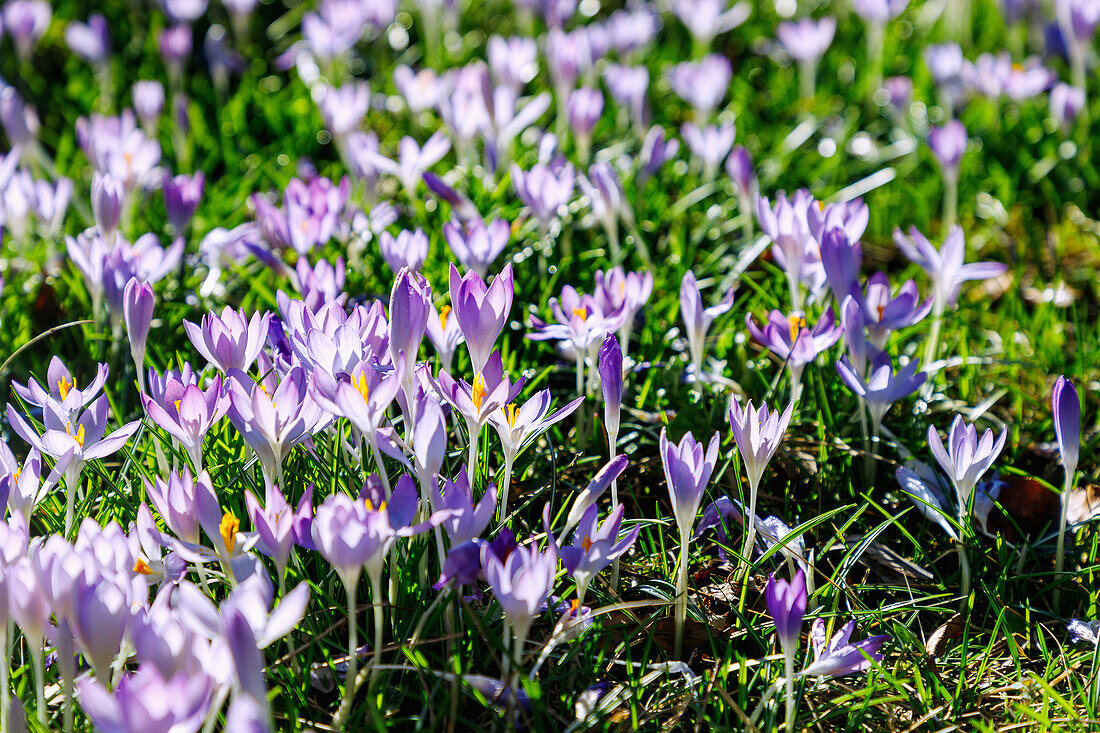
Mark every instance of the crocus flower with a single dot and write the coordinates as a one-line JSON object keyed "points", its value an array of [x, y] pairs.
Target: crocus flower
{"points": [[966, 457], [623, 292], [90, 41], [710, 144], [147, 702], [481, 310], [697, 319], [885, 311], [879, 11], [702, 84], [585, 108], [1066, 102], [186, 504], [882, 387], [787, 225], [521, 584], [231, 341], [421, 89], [137, 309], [107, 199], [407, 249], [148, 101], [807, 39], [278, 526], [758, 433], [272, 422], [595, 546], [688, 469], [841, 259], [309, 217], [476, 244], [61, 393], [837, 657], [706, 19], [1066, 408], [787, 606], [945, 266], [656, 150], [581, 322], [789, 338], [26, 21], [611, 383], [412, 160], [187, 413], [444, 334], [101, 617], [544, 189], [182, 195], [518, 426], [343, 108], [468, 519], [948, 143]]}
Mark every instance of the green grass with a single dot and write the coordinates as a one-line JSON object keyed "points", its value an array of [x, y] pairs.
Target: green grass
{"points": [[1008, 667]]}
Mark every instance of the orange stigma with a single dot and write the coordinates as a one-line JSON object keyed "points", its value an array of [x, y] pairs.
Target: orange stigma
{"points": [[797, 324], [63, 387], [228, 530], [478, 393], [443, 313], [142, 567]]}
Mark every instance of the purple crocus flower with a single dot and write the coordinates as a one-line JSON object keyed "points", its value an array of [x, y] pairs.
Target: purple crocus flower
{"points": [[26, 21], [421, 89], [595, 546], [787, 606], [322, 283], [948, 143], [879, 12], [137, 309], [481, 310], [688, 468], [444, 334], [841, 259], [787, 225], [581, 322], [837, 657], [544, 189], [272, 422], [945, 266], [625, 293], [882, 388], [697, 319], [628, 86], [108, 196], [521, 584], [1066, 102], [740, 170], [147, 702], [585, 108], [490, 392], [343, 108], [410, 308], [101, 616], [656, 151], [148, 101], [468, 519], [702, 84], [1066, 408], [807, 39], [966, 457], [885, 311], [181, 197], [186, 504], [278, 526], [231, 341], [90, 41], [476, 244], [407, 249], [611, 383], [187, 413], [513, 61], [789, 338], [706, 19], [710, 144], [412, 160]]}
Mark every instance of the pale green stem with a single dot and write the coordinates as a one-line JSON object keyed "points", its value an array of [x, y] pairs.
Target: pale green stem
{"points": [[376, 592], [506, 485], [5, 675], [950, 199], [471, 461], [788, 660], [613, 445], [875, 32], [353, 659], [379, 466], [39, 679], [807, 73], [1059, 556], [681, 595], [750, 521]]}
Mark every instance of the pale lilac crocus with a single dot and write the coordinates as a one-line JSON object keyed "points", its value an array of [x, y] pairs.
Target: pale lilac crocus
{"points": [[789, 338], [1066, 410], [481, 310], [544, 189], [412, 160], [657, 149], [882, 387], [147, 702], [343, 108], [625, 293], [521, 584], [787, 225], [26, 21], [706, 19], [948, 144], [947, 272], [1066, 103], [182, 195], [787, 605], [886, 310], [186, 504], [444, 334], [279, 526], [272, 422], [697, 320], [468, 519], [758, 432], [148, 101], [90, 41], [709, 144], [187, 413], [806, 41], [838, 656], [475, 243], [108, 196], [585, 108], [605, 194], [408, 249], [595, 546], [231, 340], [702, 84], [518, 426], [688, 468]]}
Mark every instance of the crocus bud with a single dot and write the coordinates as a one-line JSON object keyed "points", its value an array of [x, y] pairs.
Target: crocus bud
{"points": [[787, 605], [137, 308], [18, 118], [181, 197], [91, 41], [26, 21], [585, 108], [1066, 102], [175, 45], [1067, 422], [148, 100], [108, 194], [948, 143], [409, 310], [611, 382], [407, 249]]}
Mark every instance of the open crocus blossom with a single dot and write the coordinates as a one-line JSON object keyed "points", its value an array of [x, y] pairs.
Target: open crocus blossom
{"points": [[476, 243], [595, 546], [187, 413], [146, 702], [758, 432], [521, 584], [697, 319], [789, 338], [837, 656], [882, 387], [481, 311], [61, 393], [231, 340]]}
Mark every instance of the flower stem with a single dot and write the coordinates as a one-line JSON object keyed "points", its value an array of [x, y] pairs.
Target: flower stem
{"points": [[950, 200], [750, 520], [471, 461], [875, 33], [681, 595], [790, 701], [353, 661], [376, 593], [964, 567], [506, 486], [1059, 556]]}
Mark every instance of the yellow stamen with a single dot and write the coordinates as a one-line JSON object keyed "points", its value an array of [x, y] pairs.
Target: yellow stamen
{"points": [[228, 530], [586, 543], [370, 505], [573, 606], [443, 313], [360, 384], [178, 406], [142, 567], [797, 324], [581, 313], [510, 413], [881, 308], [64, 386], [78, 436], [479, 391]]}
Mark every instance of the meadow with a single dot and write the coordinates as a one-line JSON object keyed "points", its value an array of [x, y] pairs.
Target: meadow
{"points": [[549, 365]]}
